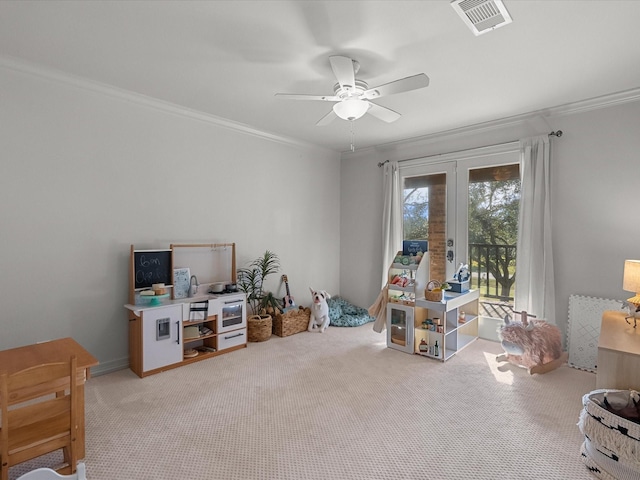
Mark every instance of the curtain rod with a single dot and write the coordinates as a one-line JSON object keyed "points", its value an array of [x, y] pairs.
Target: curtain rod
{"points": [[557, 133]]}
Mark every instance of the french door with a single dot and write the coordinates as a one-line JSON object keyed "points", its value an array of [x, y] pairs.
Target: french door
{"points": [[466, 206]]}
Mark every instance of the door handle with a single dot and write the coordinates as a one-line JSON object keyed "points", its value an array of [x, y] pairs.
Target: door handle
{"points": [[178, 329]]}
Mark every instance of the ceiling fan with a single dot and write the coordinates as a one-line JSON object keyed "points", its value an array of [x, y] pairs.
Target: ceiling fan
{"points": [[353, 96]]}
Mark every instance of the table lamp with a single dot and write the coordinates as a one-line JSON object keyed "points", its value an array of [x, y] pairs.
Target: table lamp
{"points": [[631, 280]]}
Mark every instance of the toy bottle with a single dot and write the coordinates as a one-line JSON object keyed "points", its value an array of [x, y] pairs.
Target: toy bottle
{"points": [[436, 350]]}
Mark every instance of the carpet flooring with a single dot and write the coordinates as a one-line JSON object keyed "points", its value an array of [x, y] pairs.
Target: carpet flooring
{"points": [[338, 405]]}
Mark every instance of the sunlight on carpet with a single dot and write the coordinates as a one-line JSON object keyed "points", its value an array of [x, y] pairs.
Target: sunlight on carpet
{"points": [[501, 374]]}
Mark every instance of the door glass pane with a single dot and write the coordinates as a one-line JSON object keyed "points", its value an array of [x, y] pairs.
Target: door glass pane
{"points": [[425, 217], [494, 202]]}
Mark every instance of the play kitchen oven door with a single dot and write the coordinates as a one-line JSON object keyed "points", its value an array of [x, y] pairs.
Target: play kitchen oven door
{"points": [[231, 313], [400, 325]]}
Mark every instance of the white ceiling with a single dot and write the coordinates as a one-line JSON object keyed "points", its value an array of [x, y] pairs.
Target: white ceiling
{"points": [[229, 58]]}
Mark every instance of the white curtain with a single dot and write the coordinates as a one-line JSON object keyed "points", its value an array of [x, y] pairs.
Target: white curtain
{"points": [[535, 290], [391, 216]]}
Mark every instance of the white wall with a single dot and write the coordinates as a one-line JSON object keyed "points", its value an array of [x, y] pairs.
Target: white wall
{"points": [[596, 200], [86, 172], [594, 195]]}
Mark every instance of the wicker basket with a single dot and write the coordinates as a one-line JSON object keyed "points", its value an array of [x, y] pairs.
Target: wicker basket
{"points": [[291, 322], [433, 292], [259, 328]]}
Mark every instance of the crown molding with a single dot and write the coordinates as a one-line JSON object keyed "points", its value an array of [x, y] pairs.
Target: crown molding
{"points": [[37, 70], [47, 73], [596, 103]]}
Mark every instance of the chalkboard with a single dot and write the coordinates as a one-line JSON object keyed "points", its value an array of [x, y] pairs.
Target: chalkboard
{"points": [[152, 266]]}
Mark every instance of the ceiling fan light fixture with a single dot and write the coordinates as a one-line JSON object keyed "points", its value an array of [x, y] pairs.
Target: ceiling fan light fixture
{"points": [[351, 108]]}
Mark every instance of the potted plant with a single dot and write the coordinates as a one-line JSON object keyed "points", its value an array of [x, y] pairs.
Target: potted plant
{"points": [[270, 305], [251, 281]]}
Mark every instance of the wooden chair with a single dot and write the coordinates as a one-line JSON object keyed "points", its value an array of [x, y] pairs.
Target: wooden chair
{"points": [[49, 474], [38, 415]]}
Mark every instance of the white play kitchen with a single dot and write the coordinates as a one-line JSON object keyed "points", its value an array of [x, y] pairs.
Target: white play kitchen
{"points": [[437, 327], [184, 306]]}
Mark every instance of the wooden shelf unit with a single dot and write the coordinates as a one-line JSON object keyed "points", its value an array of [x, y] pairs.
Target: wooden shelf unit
{"points": [[618, 353]]}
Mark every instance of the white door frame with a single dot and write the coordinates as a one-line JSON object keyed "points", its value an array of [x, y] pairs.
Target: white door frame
{"points": [[456, 166]]}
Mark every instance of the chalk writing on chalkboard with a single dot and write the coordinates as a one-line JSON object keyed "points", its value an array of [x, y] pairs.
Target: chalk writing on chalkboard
{"points": [[152, 266]]}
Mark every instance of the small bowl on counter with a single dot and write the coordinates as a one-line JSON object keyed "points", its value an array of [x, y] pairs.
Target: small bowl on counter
{"points": [[217, 287]]}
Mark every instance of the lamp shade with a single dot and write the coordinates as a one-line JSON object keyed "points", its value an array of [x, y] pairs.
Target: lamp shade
{"points": [[631, 279], [351, 108]]}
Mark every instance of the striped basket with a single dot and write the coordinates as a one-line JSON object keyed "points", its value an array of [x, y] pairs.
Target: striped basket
{"points": [[611, 449]]}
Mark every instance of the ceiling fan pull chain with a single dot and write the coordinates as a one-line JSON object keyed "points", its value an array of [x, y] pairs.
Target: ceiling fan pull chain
{"points": [[353, 149]]}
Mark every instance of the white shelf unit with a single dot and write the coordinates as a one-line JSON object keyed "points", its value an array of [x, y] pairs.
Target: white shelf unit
{"points": [[456, 334], [417, 276], [402, 313]]}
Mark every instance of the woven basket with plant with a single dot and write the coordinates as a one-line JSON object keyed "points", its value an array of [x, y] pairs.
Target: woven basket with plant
{"points": [[259, 328], [251, 281]]}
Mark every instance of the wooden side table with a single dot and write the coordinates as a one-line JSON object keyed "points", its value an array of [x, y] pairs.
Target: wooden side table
{"points": [[618, 353]]}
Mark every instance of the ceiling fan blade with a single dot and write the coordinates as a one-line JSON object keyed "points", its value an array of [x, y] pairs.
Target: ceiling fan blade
{"points": [[343, 70], [398, 86], [327, 119], [383, 113], [295, 96]]}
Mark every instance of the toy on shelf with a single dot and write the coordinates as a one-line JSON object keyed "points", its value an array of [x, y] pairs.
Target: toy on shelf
{"points": [[533, 344], [462, 273], [411, 259], [634, 312], [403, 298], [401, 280]]}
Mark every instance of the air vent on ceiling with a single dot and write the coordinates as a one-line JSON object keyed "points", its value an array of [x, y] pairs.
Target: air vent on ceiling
{"points": [[482, 16]]}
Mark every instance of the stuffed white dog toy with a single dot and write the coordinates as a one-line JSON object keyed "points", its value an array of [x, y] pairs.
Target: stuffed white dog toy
{"points": [[319, 319]]}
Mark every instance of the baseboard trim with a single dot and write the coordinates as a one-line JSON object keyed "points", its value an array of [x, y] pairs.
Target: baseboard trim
{"points": [[110, 367]]}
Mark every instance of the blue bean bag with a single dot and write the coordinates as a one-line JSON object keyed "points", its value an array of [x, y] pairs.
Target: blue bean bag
{"points": [[345, 314]]}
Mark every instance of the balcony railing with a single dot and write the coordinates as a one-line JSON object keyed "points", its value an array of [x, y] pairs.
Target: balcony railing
{"points": [[485, 261]]}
